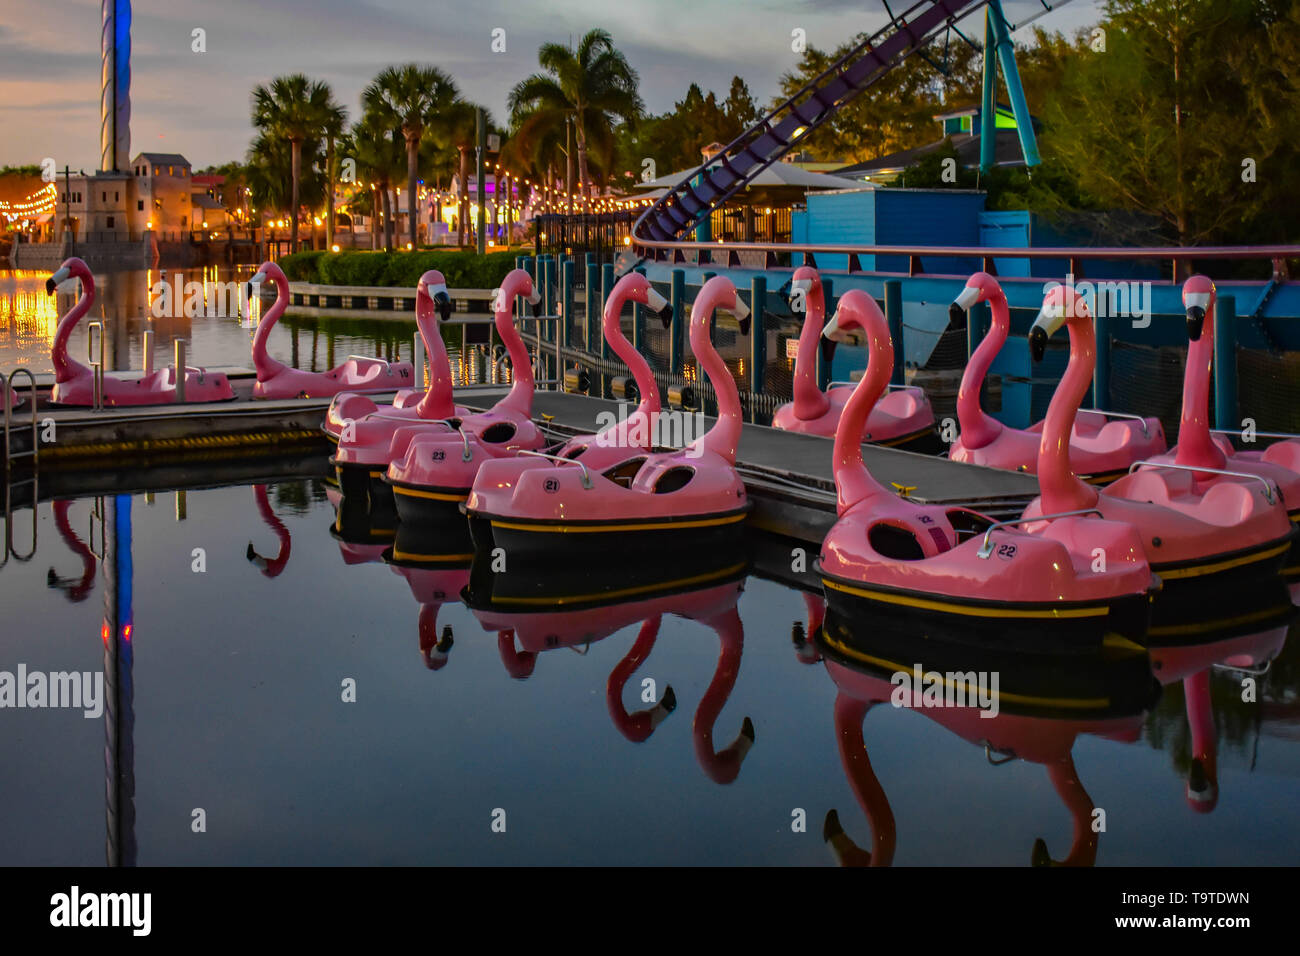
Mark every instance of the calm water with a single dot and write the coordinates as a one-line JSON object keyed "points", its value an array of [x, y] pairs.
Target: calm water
{"points": [[236, 708], [28, 318]]}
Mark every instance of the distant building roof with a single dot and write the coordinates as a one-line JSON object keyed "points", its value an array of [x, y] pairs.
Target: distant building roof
{"points": [[204, 201], [208, 179], [163, 159]]}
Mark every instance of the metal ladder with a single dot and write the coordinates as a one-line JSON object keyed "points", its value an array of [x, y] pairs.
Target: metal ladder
{"points": [[10, 457], [775, 134]]}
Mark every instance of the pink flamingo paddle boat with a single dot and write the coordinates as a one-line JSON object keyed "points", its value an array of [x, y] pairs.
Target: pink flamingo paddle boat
{"points": [[74, 383], [675, 500], [899, 418], [1200, 448], [431, 465], [1234, 530], [74, 588], [409, 405], [1044, 704], [956, 565], [1101, 447], [277, 380]]}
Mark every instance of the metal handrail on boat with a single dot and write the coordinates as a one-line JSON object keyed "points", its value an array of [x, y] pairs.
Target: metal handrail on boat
{"points": [[986, 548], [559, 459], [888, 387], [9, 455], [1146, 431], [1237, 431], [1268, 485]]}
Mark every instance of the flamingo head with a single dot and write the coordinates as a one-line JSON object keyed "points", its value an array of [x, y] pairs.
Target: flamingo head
{"points": [[851, 312], [433, 285], [805, 282], [1059, 305], [718, 293], [981, 287], [637, 287], [72, 267], [517, 282], [1198, 298], [267, 270], [1202, 789]]}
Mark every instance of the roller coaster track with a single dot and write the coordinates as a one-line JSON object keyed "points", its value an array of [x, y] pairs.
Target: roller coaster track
{"points": [[775, 134]]}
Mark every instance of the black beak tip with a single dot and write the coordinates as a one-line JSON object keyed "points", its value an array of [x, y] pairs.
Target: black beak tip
{"points": [[666, 317], [828, 349], [956, 315], [1195, 322], [443, 302], [745, 324], [1037, 343], [50, 286]]}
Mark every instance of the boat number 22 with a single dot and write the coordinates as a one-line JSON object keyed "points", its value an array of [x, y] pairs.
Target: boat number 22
{"points": [[1007, 551]]}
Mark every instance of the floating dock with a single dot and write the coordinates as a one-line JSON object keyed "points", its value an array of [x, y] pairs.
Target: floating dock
{"points": [[788, 475]]}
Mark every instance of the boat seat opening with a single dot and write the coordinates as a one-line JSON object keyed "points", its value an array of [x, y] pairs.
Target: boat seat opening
{"points": [[967, 524], [893, 542], [674, 479], [624, 473], [498, 433], [577, 452]]}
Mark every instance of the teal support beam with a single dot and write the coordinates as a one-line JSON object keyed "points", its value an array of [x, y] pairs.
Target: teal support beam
{"points": [[592, 318], [676, 331], [566, 300], [988, 105], [978, 317], [1226, 412], [757, 333], [638, 320], [606, 288], [824, 367], [1007, 59], [704, 226], [894, 316]]}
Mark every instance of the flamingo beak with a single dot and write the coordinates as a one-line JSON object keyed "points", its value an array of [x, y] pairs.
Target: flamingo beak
{"points": [[442, 300], [741, 312], [961, 305], [53, 281], [533, 296], [830, 336], [1050, 318], [799, 286], [255, 284], [1197, 303], [659, 305]]}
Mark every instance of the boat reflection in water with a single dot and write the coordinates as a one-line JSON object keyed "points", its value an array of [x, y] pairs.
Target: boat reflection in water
{"points": [[1241, 644], [536, 608], [1015, 705]]}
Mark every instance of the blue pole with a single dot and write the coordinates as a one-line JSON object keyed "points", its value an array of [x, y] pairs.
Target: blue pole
{"points": [[638, 320], [757, 334], [593, 305], [703, 225], [677, 296], [824, 367], [1007, 58], [1225, 363], [894, 316], [1101, 372], [988, 105], [566, 297], [606, 287]]}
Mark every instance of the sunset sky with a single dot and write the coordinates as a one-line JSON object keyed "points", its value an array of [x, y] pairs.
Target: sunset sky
{"points": [[197, 103]]}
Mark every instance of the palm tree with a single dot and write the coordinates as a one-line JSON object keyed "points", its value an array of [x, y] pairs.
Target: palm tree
{"points": [[295, 109], [593, 84], [411, 98], [378, 153], [335, 120]]}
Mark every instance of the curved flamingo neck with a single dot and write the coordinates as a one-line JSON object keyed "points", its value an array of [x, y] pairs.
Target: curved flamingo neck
{"points": [[1200, 718], [273, 565], [849, 714], [639, 726], [267, 367], [438, 401], [520, 397], [809, 400], [1083, 847], [81, 588], [853, 483], [978, 428], [518, 664], [427, 623], [1195, 446], [641, 421], [1060, 489], [65, 367], [724, 437], [721, 766]]}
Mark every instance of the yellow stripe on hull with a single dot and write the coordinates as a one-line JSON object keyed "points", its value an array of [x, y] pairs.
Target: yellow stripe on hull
{"points": [[967, 610]]}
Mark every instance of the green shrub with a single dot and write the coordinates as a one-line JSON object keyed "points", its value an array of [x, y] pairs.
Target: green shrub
{"points": [[463, 270]]}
